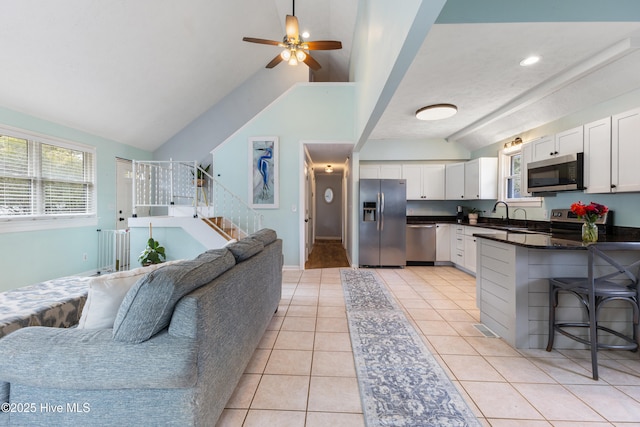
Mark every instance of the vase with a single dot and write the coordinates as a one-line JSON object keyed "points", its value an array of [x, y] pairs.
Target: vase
{"points": [[589, 232]]}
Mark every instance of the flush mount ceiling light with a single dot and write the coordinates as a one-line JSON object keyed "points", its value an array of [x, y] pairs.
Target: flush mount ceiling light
{"points": [[530, 60], [436, 112], [328, 169]]}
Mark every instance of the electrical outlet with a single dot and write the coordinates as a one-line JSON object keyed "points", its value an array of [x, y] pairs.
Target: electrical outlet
{"points": [[85, 257], [545, 214]]}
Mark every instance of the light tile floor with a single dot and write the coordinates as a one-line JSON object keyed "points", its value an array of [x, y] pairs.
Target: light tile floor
{"points": [[303, 372]]}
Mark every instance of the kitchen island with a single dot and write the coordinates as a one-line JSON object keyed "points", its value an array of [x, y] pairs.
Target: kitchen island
{"points": [[512, 271]]}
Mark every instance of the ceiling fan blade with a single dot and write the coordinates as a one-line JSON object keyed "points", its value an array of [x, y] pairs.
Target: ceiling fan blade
{"points": [[275, 61], [312, 63], [261, 41], [291, 26], [323, 45]]}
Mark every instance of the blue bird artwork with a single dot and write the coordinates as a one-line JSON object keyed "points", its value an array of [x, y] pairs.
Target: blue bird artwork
{"points": [[263, 191]]}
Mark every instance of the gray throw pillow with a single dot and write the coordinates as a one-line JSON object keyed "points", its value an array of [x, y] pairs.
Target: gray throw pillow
{"points": [[149, 304], [265, 235], [245, 248]]}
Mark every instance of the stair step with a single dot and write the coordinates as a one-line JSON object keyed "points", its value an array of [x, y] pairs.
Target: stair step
{"points": [[220, 222]]}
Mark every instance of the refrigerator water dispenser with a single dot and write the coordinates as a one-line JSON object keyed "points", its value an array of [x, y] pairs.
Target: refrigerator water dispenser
{"points": [[369, 211]]}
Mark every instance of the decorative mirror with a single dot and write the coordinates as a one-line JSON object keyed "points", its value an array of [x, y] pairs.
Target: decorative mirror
{"points": [[328, 195]]}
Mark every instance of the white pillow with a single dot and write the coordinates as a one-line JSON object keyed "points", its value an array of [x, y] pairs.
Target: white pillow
{"points": [[106, 294]]}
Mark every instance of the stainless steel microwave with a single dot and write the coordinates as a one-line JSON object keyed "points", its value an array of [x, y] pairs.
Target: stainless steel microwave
{"points": [[562, 173]]}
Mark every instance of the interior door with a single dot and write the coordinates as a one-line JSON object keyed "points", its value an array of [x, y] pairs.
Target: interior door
{"points": [[307, 214], [124, 190]]}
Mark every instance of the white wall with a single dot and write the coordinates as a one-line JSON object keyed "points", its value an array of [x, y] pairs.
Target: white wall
{"points": [[408, 150], [387, 37]]}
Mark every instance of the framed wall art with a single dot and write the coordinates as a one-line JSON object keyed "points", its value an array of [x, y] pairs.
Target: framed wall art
{"points": [[263, 172]]}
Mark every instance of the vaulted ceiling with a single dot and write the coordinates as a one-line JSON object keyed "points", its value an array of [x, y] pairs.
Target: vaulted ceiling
{"points": [[139, 71]]}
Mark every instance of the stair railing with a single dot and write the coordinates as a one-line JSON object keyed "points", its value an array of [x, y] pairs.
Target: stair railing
{"points": [[160, 185]]}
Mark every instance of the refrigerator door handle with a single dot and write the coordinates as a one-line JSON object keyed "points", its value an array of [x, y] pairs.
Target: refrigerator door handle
{"points": [[381, 211], [378, 213]]}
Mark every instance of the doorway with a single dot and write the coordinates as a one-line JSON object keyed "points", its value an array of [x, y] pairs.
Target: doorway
{"points": [[319, 159], [124, 193], [326, 206]]}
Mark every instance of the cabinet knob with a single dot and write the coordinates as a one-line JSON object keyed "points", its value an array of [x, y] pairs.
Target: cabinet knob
{"points": [[555, 152], [551, 153], [613, 186]]}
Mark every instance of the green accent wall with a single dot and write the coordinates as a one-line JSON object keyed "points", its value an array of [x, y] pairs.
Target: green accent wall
{"points": [[319, 112], [32, 257]]}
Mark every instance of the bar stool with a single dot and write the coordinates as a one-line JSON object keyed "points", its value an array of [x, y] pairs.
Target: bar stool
{"points": [[616, 282]]}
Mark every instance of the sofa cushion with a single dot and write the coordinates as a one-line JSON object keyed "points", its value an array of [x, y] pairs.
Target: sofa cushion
{"points": [[265, 235], [245, 248], [106, 293], [148, 306]]}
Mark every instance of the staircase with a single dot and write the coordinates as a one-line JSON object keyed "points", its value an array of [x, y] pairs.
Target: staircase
{"points": [[225, 228], [170, 189]]}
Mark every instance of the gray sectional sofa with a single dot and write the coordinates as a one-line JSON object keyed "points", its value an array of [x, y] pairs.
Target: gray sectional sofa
{"points": [[181, 340]]}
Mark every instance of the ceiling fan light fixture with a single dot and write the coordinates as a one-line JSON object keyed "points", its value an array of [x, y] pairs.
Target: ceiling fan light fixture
{"points": [[293, 60], [436, 112], [286, 54], [328, 169], [301, 55]]}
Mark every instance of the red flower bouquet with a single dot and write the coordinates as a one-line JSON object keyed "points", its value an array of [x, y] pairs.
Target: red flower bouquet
{"points": [[589, 214]]}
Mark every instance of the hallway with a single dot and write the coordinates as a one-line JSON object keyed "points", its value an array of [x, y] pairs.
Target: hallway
{"points": [[327, 254]]}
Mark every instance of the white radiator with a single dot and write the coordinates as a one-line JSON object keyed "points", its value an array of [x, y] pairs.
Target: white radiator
{"points": [[113, 251]]}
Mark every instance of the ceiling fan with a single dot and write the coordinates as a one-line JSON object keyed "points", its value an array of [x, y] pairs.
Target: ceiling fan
{"points": [[295, 49]]}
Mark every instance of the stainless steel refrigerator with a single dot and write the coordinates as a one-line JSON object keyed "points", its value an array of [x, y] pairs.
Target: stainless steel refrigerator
{"points": [[383, 218]]}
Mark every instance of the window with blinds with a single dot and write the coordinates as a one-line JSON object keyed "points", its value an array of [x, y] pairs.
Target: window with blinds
{"points": [[40, 179]]}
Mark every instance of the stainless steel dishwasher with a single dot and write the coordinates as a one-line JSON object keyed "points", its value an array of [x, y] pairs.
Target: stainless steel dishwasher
{"points": [[421, 243]]}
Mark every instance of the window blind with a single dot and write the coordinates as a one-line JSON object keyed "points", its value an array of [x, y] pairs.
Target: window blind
{"points": [[43, 179]]}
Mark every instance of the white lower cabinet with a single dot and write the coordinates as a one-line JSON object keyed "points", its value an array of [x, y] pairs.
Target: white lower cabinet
{"points": [[457, 244], [464, 245], [443, 242], [470, 252]]}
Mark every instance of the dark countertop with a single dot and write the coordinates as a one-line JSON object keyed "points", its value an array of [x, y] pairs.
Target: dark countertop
{"points": [[536, 236], [551, 241]]}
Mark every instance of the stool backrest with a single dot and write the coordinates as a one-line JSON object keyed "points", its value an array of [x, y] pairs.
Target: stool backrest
{"points": [[631, 270]]}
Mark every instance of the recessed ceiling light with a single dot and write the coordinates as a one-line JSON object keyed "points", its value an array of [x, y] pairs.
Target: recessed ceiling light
{"points": [[328, 169], [305, 35], [436, 112], [529, 60]]}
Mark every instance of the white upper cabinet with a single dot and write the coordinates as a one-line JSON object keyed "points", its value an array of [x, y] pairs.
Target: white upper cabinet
{"points": [[381, 171], [567, 142], [454, 181], [424, 182], [625, 151], [570, 141], [481, 178], [543, 148], [597, 156]]}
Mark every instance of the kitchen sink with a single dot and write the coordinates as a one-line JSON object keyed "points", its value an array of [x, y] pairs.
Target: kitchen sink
{"points": [[514, 229]]}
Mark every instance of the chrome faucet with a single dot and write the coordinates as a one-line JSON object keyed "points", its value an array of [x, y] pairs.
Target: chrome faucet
{"points": [[506, 208], [525, 215]]}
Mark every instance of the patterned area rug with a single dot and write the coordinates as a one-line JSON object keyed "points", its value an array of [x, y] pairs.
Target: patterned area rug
{"points": [[401, 383]]}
